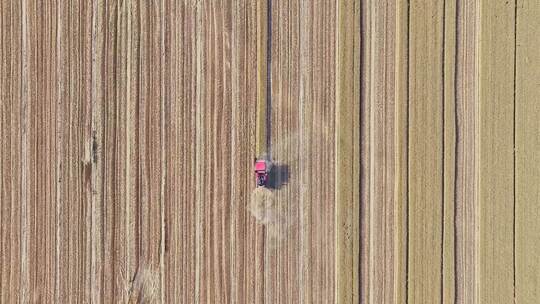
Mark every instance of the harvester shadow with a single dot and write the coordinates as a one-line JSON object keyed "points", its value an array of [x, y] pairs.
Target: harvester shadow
{"points": [[278, 176]]}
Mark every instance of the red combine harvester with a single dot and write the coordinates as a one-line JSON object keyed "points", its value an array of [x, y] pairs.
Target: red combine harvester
{"points": [[262, 167]]}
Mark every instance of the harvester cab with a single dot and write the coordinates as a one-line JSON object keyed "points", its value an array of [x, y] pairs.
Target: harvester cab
{"points": [[262, 167]]}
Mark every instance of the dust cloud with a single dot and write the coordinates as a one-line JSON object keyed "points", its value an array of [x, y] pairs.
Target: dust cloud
{"points": [[263, 207], [274, 206]]}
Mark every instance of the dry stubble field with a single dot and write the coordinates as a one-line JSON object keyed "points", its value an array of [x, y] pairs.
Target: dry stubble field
{"points": [[128, 135], [405, 137]]}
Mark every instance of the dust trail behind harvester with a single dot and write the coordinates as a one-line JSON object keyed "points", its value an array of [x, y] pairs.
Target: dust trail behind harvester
{"points": [[276, 212], [276, 215], [145, 287], [263, 207]]}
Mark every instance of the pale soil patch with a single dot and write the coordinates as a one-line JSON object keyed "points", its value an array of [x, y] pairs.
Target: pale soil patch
{"points": [[145, 288]]}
